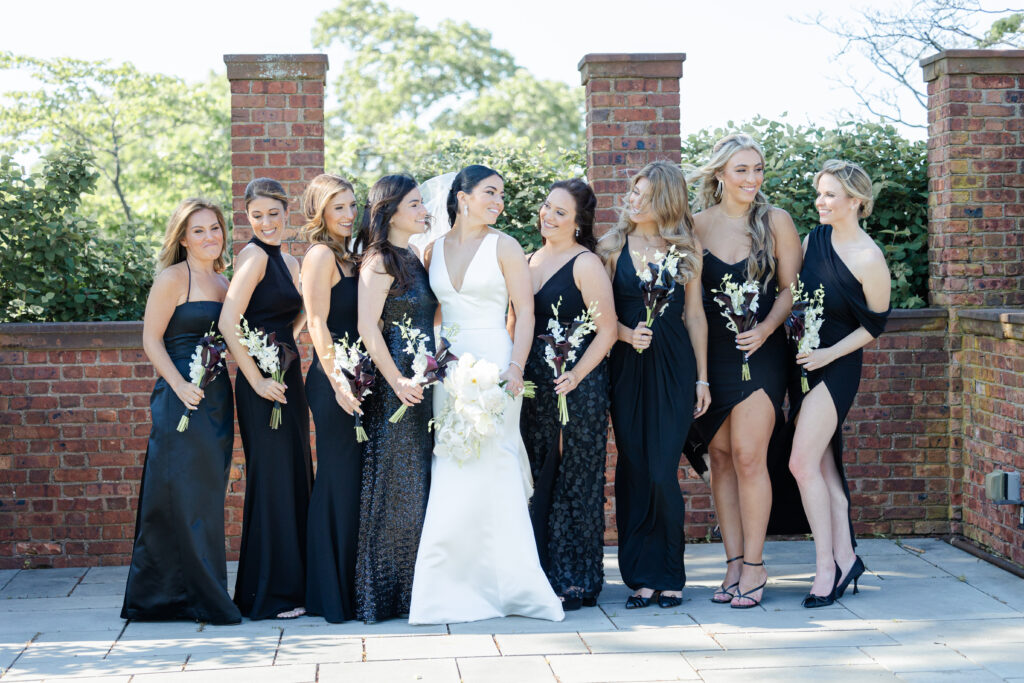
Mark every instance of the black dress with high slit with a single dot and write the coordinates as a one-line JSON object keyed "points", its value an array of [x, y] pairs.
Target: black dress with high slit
{"points": [[652, 399], [845, 310], [278, 465], [178, 568], [333, 529], [567, 509]]}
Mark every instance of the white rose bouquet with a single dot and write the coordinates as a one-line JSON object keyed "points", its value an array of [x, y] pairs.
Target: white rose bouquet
{"points": [[473, 410]]}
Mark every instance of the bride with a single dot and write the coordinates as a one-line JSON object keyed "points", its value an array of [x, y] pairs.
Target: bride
{"points": [[477, 557]]}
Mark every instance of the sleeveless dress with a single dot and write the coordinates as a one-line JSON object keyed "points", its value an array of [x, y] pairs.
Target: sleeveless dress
{"points": [[478, 558], [652, 399], [178, 568], [333, 527], [567, 509], [396, 465], [278, 467], [845, 310]]}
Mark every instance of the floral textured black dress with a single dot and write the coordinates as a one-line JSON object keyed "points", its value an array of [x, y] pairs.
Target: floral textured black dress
{"points": [[396, 464], [567, 509]]}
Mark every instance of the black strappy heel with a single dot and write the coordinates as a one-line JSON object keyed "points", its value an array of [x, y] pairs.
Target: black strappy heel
{"points": [[746, 595], [855, 572], [727, 590]]}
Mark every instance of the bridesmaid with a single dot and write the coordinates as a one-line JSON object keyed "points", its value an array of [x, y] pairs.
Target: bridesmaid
{"points": [[278, 467], [746, 238], [568, 461], [656, 394], [841, 257], [393, 284], [329, 292], [178, 568]]}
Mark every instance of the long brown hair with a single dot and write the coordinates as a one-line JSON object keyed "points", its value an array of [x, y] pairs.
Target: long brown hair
{"points": [[383, 201], [318, 195], [172, 251]]}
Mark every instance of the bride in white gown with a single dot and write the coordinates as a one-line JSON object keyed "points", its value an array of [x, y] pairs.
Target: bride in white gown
{"points": [[477, 557]]}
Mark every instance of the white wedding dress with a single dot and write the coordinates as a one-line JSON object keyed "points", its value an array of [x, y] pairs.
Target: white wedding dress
{"points": [[477, 557]]}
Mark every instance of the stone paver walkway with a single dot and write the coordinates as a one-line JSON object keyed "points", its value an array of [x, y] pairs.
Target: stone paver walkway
{"points": [[926, 612]]}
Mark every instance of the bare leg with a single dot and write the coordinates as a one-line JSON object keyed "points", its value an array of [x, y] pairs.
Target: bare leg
{"points": [[842, 543], [725, 492]]}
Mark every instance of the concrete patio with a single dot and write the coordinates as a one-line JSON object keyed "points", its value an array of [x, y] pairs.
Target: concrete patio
{"points": [[926, 612]]}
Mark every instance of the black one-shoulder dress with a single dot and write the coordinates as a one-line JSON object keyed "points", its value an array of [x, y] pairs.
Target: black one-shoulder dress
{"points": [[652, 399], [178, 568], [278, 464], [334, 506]]}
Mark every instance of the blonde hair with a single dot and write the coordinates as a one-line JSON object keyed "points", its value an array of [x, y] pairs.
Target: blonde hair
{"points": [[315, 200], [761, 260], [172, 251], [855, 181], [668, 201]]}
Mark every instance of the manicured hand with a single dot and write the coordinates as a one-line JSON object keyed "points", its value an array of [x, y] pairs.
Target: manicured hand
{"points": [[513, 379], [347, 400], [189, 394], [641, 337], [566, 383], [408, 392], [815, 360], [751, 341], [271, 390]]}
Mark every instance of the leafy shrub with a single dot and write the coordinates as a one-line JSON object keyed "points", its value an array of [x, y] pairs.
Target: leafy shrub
{"points": [[898, 167], [54, 264]]}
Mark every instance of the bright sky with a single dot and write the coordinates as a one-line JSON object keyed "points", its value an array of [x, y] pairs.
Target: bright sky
{"points": [[744, 57]]}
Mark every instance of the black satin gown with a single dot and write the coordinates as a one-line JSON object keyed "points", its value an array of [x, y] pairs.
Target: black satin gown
{"points": [[333, 529], [178, 568], [652, 400], [278, 465], [567, 509], [396, 464], [845, 310]]}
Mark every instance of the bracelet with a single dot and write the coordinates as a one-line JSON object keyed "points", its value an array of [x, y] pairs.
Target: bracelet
{"points": [[521, 368], [700, 381]]}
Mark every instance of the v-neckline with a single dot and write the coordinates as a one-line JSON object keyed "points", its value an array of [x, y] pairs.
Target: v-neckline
{"points": [[472, 259], [560, 269], [630, 256]]}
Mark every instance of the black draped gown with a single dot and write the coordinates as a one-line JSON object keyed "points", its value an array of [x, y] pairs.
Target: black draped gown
{"points": [[652, 399], [396, 464], [567, 509], [278, 465], [334, 505], [178, 568], [845, 310]]}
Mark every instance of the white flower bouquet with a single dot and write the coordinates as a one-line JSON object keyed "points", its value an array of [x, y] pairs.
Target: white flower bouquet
{"points": [[804, 322], [473, 411], [658, 281], [739, 308], [271, 356], [562, 344], [427, 368], [353, 365], [207, 363]]}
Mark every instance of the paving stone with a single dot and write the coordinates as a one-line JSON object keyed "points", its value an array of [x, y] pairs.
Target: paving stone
{"points": [[810, 674], [907, 566], [692, 595], [754, 621], [108, 589], [781, 659], [797, 639], [43, 605], [62, 620], [656, 666], [42, 583], [926, 657], [300, 673], [17, 639], [927, 599], [107, 575], [199, 643], [647, 619], [514, 644], [430, 647], [586, 619], [231, 659], [673, 639], [6, 575], [392, 627], [1003, 659], [966, 676], [318, 649], [418, 671], [953, 633], [505, 670]]}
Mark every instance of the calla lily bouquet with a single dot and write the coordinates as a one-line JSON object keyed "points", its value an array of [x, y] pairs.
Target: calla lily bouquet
{"points": [[271, 356], [562, 344], [427, 368], [739, 308], [804, 322], [658, 281], [353, 365], [207, 363]]}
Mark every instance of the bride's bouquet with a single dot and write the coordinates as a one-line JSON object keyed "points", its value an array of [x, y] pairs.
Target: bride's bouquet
{"points": [[658, 282], [207, 363], [272, 357], [473, 409], [427, 368], [804, 322], [739, 308], [353, 365], [562, 345]]}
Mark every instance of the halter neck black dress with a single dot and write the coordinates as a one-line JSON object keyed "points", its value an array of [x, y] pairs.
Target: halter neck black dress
{"points": [[652, 399], [845, 310], [178, 568], [567, 509], [278, 466], [334, 506]]}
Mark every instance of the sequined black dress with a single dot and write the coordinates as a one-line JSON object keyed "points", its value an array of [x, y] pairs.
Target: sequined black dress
{"points": [[178, 566], [652, 399], [396, 465], [278, 466], [567, 509], [334, 506]]}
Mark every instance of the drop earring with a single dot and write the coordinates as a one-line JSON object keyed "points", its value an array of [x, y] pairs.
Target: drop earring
{"points": [[718, 190], [577, 232], [465, 210]]}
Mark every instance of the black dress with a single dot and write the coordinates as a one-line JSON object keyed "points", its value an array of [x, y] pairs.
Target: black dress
{"points": [[178, 566], [652, 399], [567, 509], [845, 310], [334, 506], [278, 466], [396, 464]]}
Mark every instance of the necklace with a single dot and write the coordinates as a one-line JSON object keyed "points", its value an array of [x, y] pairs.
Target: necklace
{"points": [[742, 215]]}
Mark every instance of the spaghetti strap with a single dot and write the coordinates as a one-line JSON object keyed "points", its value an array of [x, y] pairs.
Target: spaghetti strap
{"points": [[188, 292], [340, 271]]}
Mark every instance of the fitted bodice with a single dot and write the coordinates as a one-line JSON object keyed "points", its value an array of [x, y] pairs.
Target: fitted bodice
{"points": [[190, 322], [712, 274], [275, 303], [482, 303]]}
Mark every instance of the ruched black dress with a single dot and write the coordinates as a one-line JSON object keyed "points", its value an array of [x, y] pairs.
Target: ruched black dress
{"points": [[567, 509], [396, 464], [278, 466], [652, 399], [178, 565], [334, 506]]}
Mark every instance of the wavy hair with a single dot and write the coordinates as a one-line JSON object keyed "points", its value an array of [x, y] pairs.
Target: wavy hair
{"points": [[315, 200], [172, 251], [855, 181], [465, 181], [761, 260], [668, 201], [586, 204], [383, 201]]}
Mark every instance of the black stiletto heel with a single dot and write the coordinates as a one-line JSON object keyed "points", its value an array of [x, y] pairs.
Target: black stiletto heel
{"points": [[855, 573], [811, 600], [727, 590], [746, 596]]}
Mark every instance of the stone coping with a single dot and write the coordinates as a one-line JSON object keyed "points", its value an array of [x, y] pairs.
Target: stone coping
{"points": [[626, 65], [988, 62], [1001, 323], [269, 67]]}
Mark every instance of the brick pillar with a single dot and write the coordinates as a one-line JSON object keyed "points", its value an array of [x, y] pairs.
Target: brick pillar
{"points": [[277, 129], [632, 119], [976, 177]]}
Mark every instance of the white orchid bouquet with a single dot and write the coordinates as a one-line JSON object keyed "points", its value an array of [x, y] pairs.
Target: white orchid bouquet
{"points": [[658, 281], [207, 363], [804, 322], [562, 344], [473, 410], [739, 308], [271, 356], [353, 365]]}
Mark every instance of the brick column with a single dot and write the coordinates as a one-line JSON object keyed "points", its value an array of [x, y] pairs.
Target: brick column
{"points": [[277, 129], [632, 119], [976, 177]]}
